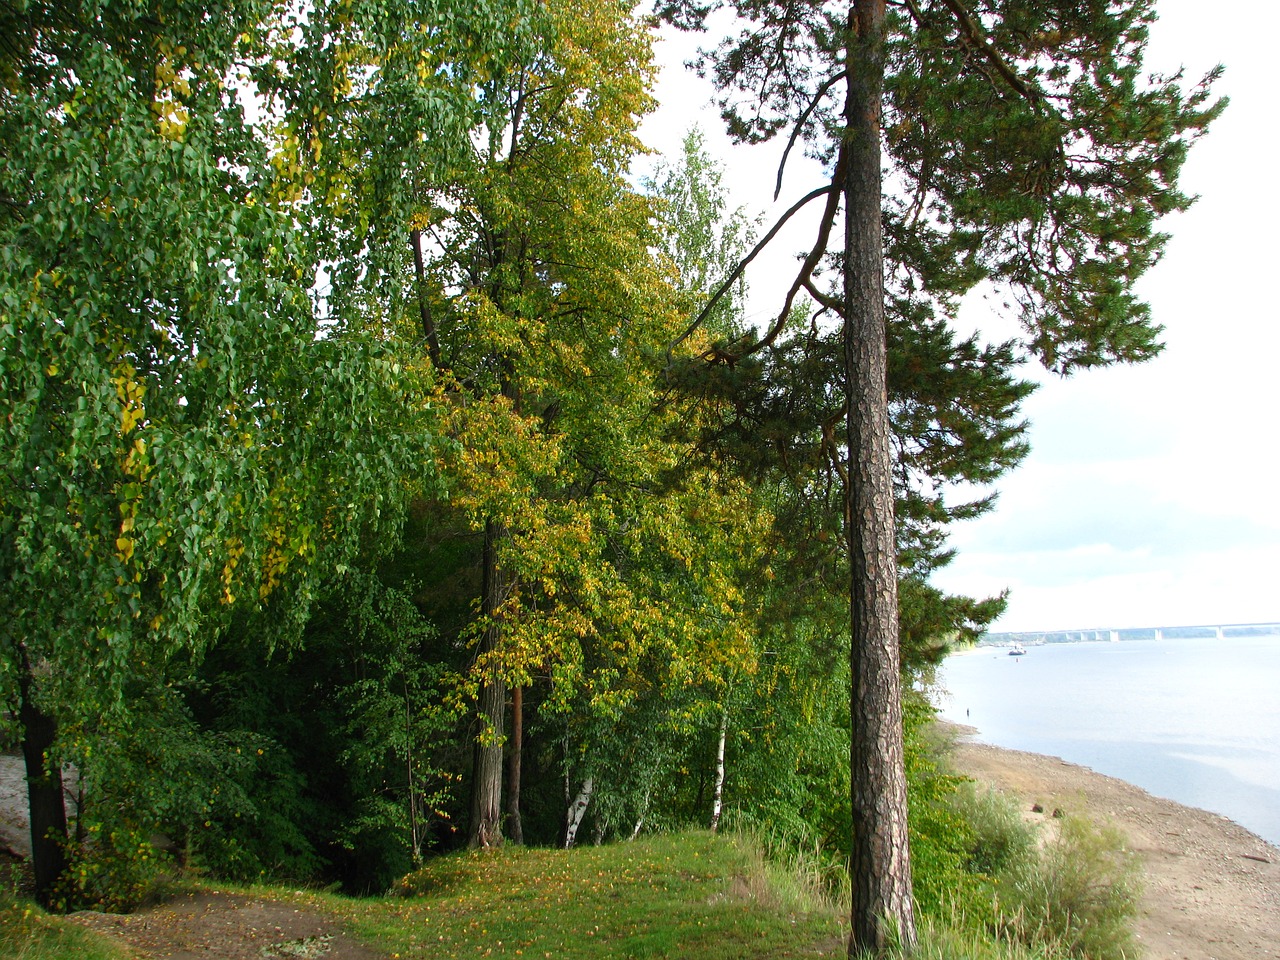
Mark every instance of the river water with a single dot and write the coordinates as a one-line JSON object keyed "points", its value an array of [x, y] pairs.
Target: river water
{"points": [[1192, 720]]}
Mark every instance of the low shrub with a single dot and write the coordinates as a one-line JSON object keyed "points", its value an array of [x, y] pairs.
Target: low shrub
{"points": [[1078, 893], [998, 835]]}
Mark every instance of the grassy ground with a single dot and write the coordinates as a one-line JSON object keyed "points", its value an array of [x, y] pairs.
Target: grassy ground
{"points": [[27, 933], [671, 896], [682, 895]]}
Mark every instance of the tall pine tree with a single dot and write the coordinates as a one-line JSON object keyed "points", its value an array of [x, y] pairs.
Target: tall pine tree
{"points": [[1022, 146]]}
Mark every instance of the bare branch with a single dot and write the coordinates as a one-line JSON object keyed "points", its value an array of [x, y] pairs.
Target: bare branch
{"points": [[805, 274], [742, 265], [804, 117]]}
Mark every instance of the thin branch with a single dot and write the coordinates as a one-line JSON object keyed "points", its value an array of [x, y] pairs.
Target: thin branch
{"points": [[742, 265], [828, 302], [913, 8], [974, 34], [424, 304], [804, 117], [803, 277]]}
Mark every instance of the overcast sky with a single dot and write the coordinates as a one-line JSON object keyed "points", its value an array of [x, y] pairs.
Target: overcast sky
{"points": [[1150, 495]]}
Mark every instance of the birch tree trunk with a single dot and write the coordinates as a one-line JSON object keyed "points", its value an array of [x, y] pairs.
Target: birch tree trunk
{"points": [[717, 795], [644, 812], [578, 810], [880, 863]]}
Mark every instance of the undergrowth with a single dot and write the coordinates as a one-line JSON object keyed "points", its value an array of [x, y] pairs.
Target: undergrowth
{"points": [[28, 933], [747, 895]]}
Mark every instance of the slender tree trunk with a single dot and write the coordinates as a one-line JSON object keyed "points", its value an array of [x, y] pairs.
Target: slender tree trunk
{"points": [[644, 811], [46, 803], [486, 788], [415, 841], [514, 829], [577, 810], [880, 863], [717, 793], [424, 305]]}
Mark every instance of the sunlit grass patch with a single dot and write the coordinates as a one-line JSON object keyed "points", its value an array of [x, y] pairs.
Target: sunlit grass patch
{"points": [[688, 894], [28, 933]]}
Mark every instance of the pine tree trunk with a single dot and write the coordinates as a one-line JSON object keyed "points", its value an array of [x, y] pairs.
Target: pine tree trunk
{"points": [[486, 788], [577, 810], [880, 862], [514, 828], [46, 803]]}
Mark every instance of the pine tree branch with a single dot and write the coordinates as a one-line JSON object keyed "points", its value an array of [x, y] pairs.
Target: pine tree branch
{"points": [[973, 34], [743, 264], [803, 277], [804, 117]]}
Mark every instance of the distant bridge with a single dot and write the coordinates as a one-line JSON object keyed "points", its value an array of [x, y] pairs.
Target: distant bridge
{"points": [[1219, 631]]}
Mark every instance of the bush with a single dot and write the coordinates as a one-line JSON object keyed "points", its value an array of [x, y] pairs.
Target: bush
{"points": [[985, 875], [998, 836], [113, 870], [1078, 894], [945, 829]]}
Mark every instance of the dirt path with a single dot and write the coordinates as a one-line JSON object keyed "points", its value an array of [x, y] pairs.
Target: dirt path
{"points": [[225, 926], [1212, 889]]}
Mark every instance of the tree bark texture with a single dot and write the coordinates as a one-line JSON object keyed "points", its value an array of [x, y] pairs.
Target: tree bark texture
{"points": [[578, 810], [880, 862], [515, 831], [486, 787], [717, 795], [46, 803]]}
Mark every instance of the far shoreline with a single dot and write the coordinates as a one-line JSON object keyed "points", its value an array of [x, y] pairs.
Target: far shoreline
{"points": [[1212, 887]]}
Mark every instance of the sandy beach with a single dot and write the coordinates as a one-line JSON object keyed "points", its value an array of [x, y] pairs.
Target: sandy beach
{"points": [[1212, 888]]}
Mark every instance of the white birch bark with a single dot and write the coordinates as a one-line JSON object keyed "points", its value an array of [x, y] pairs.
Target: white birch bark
{"points": [[717, 796], [644, 810], [578, 810]]}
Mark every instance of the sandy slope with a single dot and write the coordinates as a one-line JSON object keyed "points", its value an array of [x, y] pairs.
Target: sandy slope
{"points": [[1212, 889]]}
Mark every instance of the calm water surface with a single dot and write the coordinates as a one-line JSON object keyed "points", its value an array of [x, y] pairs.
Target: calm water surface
{"points": [[1196, 721]]}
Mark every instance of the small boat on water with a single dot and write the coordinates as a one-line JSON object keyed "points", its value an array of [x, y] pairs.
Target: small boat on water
{"points": [[1017, 650]]}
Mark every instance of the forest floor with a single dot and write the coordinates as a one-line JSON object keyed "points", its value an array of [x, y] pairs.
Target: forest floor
{"points": [[660, 896], [215, 925], [1211, 892], [1212, 888]]}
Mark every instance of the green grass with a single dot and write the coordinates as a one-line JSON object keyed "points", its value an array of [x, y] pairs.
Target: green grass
{"points": [[940, 941], [676, 895], [28, 933], [681, 895]]}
